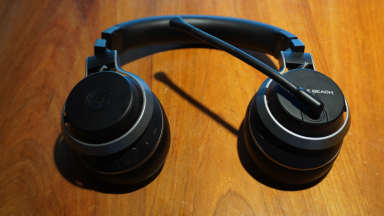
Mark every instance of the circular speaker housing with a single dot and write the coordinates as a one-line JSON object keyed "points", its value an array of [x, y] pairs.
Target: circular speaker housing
{"points": [[116, 127], [283, 141]]}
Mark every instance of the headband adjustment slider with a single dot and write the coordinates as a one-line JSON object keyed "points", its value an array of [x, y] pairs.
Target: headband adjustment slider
{"points": [[114, 37]]}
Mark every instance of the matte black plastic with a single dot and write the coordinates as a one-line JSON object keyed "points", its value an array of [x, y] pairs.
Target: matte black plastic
{"points": [[295, 116], [283, 153], [95, 62], [279, 173], [242, 33], [91, 119], [98, 99], [283, 42], [280, 156], [289, 137], [295, 60], [133, 155], [114, 36], [147, 168], [315, 106], [100, 46], [297, 46]]}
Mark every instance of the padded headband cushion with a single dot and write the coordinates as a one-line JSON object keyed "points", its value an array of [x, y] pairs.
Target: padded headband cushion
{"points": [[238, 32]]}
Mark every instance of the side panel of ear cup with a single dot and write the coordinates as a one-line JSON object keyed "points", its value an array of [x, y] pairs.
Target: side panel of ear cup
{"points": [[145, 167], [276, 171]]}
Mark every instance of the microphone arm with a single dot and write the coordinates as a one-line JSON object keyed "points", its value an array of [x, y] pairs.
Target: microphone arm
{"points": [[315, 105]]}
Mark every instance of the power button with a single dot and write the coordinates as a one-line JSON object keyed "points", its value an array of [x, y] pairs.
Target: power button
{"points": [[130, 157]]}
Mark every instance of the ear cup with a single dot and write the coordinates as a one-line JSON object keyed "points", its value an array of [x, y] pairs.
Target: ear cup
{"points": [[144, 169], [272, 169], [116, 127], [285, 144]]}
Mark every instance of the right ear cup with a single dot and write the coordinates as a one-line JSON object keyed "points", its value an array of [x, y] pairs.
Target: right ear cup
{"points": [[267, 165], [116, 127], [283, 141]]}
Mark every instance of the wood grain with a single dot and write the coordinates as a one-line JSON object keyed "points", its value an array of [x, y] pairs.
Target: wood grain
{"points": [[204, 93]]}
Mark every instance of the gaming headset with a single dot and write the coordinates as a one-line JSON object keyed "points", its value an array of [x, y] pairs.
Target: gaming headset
{"points": [[293, 128]]}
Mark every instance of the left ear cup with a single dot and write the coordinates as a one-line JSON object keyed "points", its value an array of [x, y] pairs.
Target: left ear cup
{"points": [[116, 127], [144, 169]]}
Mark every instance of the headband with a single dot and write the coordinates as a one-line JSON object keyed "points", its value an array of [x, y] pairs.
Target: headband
{"points": [[242, 33]]}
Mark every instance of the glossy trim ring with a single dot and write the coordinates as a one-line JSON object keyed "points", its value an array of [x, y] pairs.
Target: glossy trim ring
{"points": [[294, 139], [126, 139]]}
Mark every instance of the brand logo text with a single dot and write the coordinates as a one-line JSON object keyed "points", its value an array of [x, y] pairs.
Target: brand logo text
{"points": [[320, 91]]}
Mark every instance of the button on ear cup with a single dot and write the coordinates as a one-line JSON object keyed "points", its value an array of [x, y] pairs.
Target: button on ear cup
{"points": [[103, 110], [98, 99]]}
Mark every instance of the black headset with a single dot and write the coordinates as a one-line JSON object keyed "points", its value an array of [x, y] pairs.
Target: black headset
{"points": [[294, 126]]}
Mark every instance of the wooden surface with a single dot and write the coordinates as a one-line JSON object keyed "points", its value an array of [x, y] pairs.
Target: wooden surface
{"points": [[43, 46]]}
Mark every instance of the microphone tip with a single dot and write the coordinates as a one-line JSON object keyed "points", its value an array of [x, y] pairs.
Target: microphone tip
{"points": [[315, 106], [176, 22]]}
